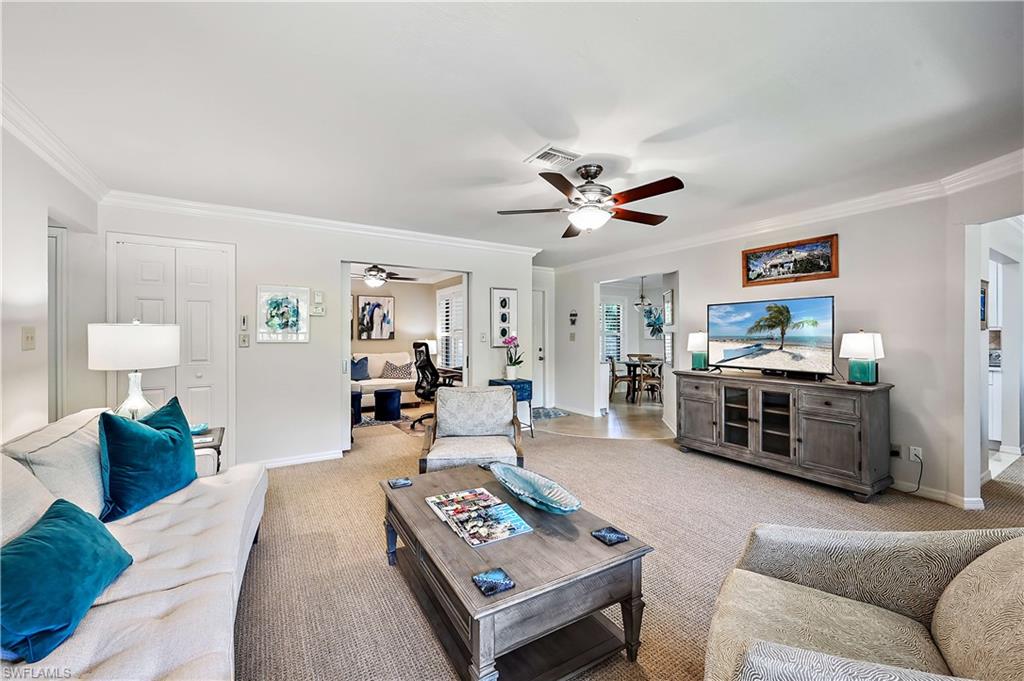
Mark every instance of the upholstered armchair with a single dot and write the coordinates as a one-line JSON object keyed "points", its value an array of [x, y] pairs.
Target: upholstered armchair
{"points": [[806, 604], [472, 426]]}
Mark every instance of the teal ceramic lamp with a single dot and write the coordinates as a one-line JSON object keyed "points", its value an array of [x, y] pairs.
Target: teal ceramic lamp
{"points": [[697, 345], [862, 349]]}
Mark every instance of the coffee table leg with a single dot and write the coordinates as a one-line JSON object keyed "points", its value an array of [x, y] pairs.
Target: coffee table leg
{"points": [[633, 613], [481, 641], [392, 543]]}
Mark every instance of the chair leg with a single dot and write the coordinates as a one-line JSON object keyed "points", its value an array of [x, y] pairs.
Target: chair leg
{"points": [[420, 420]]}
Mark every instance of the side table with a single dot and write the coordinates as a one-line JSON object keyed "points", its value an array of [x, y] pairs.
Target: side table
{"points": [[209, 443], [523, 388]]}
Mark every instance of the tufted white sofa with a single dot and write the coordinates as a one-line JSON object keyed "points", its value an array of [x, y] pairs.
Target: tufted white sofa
{"points": [[171, 613], [375, 367]]}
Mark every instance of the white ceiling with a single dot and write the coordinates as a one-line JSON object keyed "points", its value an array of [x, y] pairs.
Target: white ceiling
{"points": [[418, 116]]}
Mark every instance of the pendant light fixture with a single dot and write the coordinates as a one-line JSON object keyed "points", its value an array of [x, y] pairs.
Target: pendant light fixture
{"points": [[642, 302]]}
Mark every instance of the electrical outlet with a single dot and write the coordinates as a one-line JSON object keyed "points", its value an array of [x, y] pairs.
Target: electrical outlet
{"points": [[243, 340], [572, 336], [483, 337], [916, 454], [28, 338]]}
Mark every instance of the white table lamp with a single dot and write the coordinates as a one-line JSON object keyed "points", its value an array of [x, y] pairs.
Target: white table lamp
{"points": [[862, 349], [133, 347], [697, 343]]}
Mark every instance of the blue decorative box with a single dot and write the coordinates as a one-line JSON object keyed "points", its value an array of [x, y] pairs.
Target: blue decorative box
{"points": [[522, 386]]}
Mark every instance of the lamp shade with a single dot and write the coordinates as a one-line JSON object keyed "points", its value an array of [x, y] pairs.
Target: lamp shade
{"points": [[126, 347], [431, 345], [862, 345], [697, 342]]}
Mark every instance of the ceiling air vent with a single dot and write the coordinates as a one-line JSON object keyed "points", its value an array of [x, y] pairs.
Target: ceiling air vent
{"points": [[552, 157]]}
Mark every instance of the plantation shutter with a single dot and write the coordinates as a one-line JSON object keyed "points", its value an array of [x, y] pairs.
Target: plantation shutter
{"points": [[611, 336], [450, 328]]}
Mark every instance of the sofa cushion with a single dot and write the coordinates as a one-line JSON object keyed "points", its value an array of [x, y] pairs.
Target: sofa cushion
{"points": [[474, 411], [374, 384], [25, 500], [361, 369], [65, 457], [979, 620], [202, 530], [377, 359], [181, 633], [755, 607], [399, 371], [144, 460], [50, 576]]}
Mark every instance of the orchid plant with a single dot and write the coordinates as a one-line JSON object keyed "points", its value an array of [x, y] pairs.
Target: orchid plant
{"points": [[513, 357]]}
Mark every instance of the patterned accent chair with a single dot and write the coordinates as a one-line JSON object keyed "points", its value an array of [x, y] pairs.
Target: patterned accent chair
{"points": [[805, 604], [472, 426]]}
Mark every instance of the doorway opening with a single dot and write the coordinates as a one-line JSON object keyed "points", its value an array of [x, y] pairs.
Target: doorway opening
{"points": [[405, 336], [57, 324]]}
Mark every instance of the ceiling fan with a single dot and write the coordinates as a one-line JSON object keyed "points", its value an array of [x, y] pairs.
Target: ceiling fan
{"points": [[376, 276], [591, 205]]}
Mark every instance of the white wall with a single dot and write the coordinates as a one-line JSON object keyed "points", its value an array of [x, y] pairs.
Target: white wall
{"points": [[894, 271], [34, 194], [289, 397]]}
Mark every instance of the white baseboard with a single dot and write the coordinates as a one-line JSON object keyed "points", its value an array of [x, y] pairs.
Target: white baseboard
{"points": [[1012, 451], [966, 503], [670, 425], [303, 458], [986, 476]]}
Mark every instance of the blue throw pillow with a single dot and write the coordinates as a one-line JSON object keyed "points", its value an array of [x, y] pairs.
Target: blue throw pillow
{"points": [[145, 460], [51, 575], [361, 369]]}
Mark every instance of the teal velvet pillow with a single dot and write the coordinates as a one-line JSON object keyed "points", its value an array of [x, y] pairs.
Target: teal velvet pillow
{"points": [[51, 575], [145, 460]]}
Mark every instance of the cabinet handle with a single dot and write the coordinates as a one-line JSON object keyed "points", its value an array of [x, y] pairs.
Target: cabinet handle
{"points": [[828, 403], [714, 423], [799, 439], [696, 387], [752, 420]]}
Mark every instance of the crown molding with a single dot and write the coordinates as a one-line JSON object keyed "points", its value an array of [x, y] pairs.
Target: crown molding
{"points": [[26, 126], [163, 204], [1018, 222], [983, 173], [541, 269]]}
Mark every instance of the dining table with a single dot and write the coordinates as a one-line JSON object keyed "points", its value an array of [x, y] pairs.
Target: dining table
{"points": [[633, 371]]}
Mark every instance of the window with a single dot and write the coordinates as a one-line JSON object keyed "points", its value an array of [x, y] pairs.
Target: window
{"points": [[451, 345], [611, 336]]}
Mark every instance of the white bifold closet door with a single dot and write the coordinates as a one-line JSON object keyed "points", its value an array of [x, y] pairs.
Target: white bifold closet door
{"points": [[189, 287]]}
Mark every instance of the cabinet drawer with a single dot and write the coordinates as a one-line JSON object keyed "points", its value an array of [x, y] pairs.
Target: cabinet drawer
{"points": [[695, 389], [827, 403]]}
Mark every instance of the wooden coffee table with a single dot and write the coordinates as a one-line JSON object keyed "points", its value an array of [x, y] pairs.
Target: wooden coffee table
{"points": [[550, 625]]}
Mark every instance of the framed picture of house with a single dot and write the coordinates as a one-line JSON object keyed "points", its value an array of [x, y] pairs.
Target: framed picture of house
{"points": [[804, 260], [504, 314], [283, 314], [376, 317]]}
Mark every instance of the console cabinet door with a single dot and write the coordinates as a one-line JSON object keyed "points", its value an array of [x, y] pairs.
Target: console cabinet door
{"points": [[829, 445], [697, 421]]}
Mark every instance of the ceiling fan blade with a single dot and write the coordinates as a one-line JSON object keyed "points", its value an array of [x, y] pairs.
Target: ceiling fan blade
{"points": [[571, 232], [531, 210], [637, 216], [562, 184], [663, 186], [395, 277]]}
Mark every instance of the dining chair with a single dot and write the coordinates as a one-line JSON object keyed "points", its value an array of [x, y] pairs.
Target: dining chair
{"points": [[617, 378], [649, 378], [639, 356]]}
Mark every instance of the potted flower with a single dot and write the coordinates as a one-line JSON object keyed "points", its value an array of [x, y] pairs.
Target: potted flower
{"points": [[513, 358]]}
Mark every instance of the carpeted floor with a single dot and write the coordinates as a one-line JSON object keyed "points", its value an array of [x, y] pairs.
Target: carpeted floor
{"points": [[320, 602]]}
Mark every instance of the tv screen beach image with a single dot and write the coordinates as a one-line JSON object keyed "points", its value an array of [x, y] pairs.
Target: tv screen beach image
{"points": [[792, 334]]}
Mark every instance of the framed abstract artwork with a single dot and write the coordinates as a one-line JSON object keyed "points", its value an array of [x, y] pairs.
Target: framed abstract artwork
{"points": [[504, 314], [375, 317], [804, 260], [283, 314]]}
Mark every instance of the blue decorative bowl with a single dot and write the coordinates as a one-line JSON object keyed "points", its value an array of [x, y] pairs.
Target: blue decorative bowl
{"points": [[199, 428], [536, 490]]}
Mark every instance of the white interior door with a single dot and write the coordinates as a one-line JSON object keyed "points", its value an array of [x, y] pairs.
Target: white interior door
{"points": [[539, 370], [346, 356], [145, 290], [201, 292]]}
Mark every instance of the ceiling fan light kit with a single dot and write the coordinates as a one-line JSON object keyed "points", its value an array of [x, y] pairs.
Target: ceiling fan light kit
{"points": [[376, 276], [592, 205]]}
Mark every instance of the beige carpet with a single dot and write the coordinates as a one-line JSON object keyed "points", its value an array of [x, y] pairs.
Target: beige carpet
{"points": [[319, 600]]}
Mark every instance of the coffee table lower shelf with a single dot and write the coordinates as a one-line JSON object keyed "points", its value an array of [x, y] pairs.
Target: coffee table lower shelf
{"points": [[559, 655]]}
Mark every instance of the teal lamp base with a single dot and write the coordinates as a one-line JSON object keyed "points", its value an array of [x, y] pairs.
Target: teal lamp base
{"points": [[863, 372], [699, 361]]}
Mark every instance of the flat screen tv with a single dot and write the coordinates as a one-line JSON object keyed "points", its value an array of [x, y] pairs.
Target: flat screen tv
{"points": [[791, 335]]}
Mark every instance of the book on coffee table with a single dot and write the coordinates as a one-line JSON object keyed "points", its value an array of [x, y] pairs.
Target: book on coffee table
{"points": [[478, 516]]}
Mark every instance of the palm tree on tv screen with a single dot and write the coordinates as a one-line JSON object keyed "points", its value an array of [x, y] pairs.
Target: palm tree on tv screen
{"points": [[779, 318]]}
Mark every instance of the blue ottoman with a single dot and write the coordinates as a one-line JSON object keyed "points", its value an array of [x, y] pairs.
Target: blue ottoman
{"points": [[387, 404], [357, 407]]}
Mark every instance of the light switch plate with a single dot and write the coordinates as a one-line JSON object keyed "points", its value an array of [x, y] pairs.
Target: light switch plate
{"points": [[28, 338], [318, 297], [243, 340], [572, 336], [243, 325], [483, 337]]}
